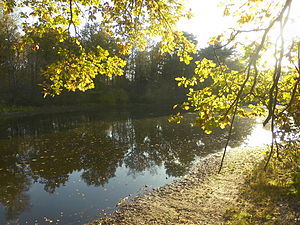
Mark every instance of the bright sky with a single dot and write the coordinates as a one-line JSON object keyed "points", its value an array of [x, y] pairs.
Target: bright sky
{"points": [[208, 20]]}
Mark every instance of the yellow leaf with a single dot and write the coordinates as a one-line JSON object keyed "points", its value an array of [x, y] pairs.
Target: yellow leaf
{"points": [[208, 131], [186, 107], [226, 12]]}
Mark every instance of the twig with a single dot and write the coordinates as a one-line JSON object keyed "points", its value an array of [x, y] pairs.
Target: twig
{"points": [[228, 137]]}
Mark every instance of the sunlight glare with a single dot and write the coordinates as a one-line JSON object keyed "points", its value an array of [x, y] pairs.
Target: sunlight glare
{"points": [[208, 20]]}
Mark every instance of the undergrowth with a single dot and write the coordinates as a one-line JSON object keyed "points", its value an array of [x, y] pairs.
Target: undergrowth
{"points": [[16, 109]]}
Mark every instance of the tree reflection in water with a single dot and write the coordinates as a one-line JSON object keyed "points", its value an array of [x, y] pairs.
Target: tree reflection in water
{"points": [[50, 152]]}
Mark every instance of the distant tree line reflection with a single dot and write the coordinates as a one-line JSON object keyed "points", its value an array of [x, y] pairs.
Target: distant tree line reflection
{"points": [[98, 148]]}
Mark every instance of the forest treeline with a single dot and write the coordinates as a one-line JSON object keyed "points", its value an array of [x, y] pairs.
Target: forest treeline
{"points": [[149, 76]]}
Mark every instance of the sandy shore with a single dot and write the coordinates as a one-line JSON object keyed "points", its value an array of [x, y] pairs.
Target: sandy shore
{"points": [[202, 197]]}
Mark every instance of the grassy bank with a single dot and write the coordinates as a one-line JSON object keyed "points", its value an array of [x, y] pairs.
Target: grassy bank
{"points": [[270, 196], [11, 109], [35, 110], [243, 193]]}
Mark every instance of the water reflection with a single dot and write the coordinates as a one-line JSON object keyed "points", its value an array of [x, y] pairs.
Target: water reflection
{"points": [[49, 150]]}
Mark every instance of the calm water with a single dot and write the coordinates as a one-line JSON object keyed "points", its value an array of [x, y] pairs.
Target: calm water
{"points": [[74, 167]]}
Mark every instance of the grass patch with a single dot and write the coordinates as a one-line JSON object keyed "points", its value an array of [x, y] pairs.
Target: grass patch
{"points": [[271, 196]]}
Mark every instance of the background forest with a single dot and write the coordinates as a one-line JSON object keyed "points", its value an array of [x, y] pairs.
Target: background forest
{"points": [[149, 76]]}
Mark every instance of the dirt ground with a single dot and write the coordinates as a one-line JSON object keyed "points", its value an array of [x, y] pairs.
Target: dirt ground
{"points": [[202, 197]]}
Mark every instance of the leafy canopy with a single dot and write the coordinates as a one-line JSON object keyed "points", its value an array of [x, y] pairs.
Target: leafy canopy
{"points": [[130, 22], [268, 81]]}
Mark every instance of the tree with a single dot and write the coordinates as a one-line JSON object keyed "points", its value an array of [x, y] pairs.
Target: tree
{"points": [[219, 54], [273, 90], [9, 56], [131, 23]]}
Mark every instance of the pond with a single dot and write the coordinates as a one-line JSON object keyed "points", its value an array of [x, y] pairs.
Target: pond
{"points": [[71, 168]]}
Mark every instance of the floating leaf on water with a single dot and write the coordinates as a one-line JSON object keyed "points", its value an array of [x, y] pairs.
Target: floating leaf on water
{"points": [[33, 160]]}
